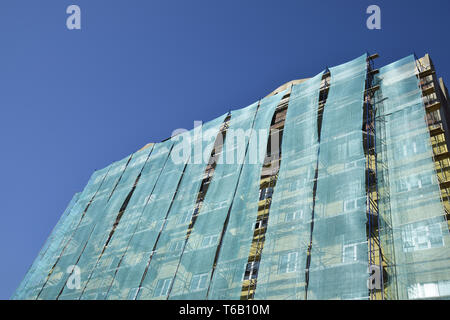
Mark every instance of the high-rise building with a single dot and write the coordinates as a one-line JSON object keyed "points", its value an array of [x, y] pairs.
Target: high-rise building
{"points": [[332, 187]]}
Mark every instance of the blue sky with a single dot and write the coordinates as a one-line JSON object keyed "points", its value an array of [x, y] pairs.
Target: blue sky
{"points": [[74, 101]]}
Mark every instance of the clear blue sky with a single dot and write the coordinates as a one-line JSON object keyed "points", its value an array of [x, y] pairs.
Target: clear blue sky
{"points": [[75, 101]]}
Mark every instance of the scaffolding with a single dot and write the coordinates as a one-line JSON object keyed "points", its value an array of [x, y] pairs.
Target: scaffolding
{"points": [[369, 131], [414, 234], [268, 180]]}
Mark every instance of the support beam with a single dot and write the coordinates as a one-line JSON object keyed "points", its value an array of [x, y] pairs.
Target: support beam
{"points": [[433, 107], [441, 156]]}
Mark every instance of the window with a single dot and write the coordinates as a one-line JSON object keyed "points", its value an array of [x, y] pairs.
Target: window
{"points": [[132, 293], [265, 193], [444, 288], [162, 287], [92, 296], [341, 151], [196, 210], [209, 241], [288, 262], [339, 192], [349, 253], [291, 216], [419, 183], [134, 258], [351, 165], [177, 245], [412, 182], [350, 205], [261, 223], [114, 263], [150, 198], [354, 147], [251, 270], [352, 252], [198, 282], [429, 290], [420, 236], [298, 184], [402, 185], [405, 150], [186, 218]]}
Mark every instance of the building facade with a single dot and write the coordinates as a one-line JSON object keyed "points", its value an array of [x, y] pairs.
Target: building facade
{"points": [[332, 187]]}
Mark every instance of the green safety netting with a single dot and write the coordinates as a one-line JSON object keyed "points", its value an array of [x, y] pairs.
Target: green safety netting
{"points": [[199, 252], [281, 272], [106, 222], [47, 255], [75, 246], [161, 260], [136, 225], [338, 267], [129, 267], [237, 237], [238, 163], [413, 228], [62, 240]]}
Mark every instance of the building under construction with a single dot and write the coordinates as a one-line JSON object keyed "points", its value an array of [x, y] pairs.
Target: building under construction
{"points": [[348, 198]]}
